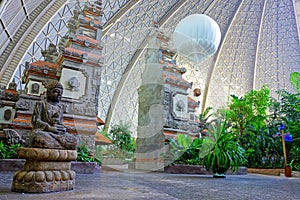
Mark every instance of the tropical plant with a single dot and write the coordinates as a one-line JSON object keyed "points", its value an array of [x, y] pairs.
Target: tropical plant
{"points": [[204, 117], [123, 143], [84, 155], [8, 151], [262, 150], [251, 109], [295, 155], [221, 150], [121, 137], [290, 116], [185, 150], [295, 81]]}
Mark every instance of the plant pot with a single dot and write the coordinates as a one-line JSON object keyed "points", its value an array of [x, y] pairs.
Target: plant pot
{"points": [[288, 171]]}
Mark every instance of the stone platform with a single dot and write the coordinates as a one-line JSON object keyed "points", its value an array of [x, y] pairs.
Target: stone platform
{"points": [[45, 170]]}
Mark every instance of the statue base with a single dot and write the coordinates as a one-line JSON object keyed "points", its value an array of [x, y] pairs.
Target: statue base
{"points": [[45, 170]]}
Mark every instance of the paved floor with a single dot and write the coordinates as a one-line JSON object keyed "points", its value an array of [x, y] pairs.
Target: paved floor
{"points": [[125, 185]]}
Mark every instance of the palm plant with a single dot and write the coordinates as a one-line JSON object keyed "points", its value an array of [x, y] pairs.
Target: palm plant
{"points": [[221, 150], [185, 150]]}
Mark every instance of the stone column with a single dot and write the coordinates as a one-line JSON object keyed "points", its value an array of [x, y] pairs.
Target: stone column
{"points": [[150, 138]]}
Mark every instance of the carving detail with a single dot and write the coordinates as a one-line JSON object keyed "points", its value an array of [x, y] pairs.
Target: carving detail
{"points": [[13, 137], [35, 88], [73, 84]]}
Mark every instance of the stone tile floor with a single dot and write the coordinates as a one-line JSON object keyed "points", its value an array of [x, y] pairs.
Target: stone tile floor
{"points": [[129, 185]]}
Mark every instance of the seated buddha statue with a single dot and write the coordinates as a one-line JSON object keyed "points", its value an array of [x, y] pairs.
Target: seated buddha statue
{"points": [[48, 130]]}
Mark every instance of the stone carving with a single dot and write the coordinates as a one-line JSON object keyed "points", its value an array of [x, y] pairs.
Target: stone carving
{"points": [[7, 114], [38, 154], [51, 53], [12, 85], [35, 88], [180, 105], [47, 122], [24, 104], [72, 25], [13, 137], [45, 170], [44, 181], [73, 84]]}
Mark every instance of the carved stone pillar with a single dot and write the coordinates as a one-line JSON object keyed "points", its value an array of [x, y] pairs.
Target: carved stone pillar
{"points": [[150, 138]]}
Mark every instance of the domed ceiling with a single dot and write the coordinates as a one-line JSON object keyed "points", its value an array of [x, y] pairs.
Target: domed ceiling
{"points": [[259, 46]]}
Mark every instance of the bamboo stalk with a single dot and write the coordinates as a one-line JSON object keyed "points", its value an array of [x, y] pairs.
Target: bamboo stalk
{"points": [[283, 147]]}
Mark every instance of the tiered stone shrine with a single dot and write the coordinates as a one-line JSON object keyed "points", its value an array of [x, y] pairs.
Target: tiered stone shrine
{"points": [[76, 62], [164, 106], [45, 170], [59, 106]]}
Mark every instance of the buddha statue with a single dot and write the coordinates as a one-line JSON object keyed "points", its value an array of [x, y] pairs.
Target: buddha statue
{"points": [[48, 130]]}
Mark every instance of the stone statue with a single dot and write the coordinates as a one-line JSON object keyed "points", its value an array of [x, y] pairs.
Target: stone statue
{"points": [[47, 122]]}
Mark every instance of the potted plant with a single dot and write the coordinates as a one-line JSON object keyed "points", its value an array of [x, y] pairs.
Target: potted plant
{"points": [[221, 150], [8, 157], [85, 163]]}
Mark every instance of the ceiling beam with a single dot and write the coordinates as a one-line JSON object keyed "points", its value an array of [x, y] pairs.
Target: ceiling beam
{"points": [[118, 15]]}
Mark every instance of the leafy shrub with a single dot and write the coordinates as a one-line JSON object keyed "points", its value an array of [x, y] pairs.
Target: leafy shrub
{"points": [[224, 151], [8, 151], [295, 154], [123, 144], [83, 155], [121, 137], [185, 150]]}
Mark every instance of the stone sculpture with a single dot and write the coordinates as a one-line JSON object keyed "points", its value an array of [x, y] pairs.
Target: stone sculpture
{"points": [[47, 122], [48, 160]]}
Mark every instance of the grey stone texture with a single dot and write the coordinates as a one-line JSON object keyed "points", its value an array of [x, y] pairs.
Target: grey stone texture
{"points": [[156, 186]]}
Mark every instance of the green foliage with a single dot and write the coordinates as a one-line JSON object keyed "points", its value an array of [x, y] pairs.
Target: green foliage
{"points": [[8, 151], [84, 155], [224, 151], [289, 115], [255, 128], [251, 109], [123, 143], [289, 106], [121, 137], [203, 118], [295, 81], [262, 150], [185, 150], [295, 154]]}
